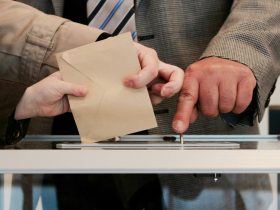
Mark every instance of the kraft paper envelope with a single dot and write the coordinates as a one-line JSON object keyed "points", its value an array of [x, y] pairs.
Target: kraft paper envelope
{"points": [[110, 109]]}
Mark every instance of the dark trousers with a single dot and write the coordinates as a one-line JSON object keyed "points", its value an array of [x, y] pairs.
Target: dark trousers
{"points": [[103, 191]]}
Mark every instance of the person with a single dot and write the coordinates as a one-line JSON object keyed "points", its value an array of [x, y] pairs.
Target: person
{"points": [[211, 39], [30, 58], [230, 52], [24, 67]]}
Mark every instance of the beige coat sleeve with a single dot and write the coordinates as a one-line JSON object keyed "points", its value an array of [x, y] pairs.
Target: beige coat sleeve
{"points": [[29, 40]]}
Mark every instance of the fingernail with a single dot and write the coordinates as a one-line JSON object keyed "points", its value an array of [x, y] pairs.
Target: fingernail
{"points": [[128, 83], [83, 90], [178, 125], [167, 91]]}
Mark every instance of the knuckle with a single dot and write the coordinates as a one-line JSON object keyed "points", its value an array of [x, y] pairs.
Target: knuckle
{"points": [[240, 107], [248, 77], [186, 96], [208, 112], [192, 68], [225, 108], [211, 69], [153, 73], [208, 107], [226, 104], [152, 51], [237, 110]]}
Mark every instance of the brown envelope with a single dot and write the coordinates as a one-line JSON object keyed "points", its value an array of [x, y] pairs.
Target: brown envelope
{"points": [[110, 109]]}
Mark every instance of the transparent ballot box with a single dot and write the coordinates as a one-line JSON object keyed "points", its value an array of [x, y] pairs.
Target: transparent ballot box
{"points": [[220, 171]]}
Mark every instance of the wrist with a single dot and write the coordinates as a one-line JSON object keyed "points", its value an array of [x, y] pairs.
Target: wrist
{"points": [[24, 108]]}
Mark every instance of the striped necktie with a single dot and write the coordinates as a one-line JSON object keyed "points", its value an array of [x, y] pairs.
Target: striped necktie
{"points": [[112, 16]]}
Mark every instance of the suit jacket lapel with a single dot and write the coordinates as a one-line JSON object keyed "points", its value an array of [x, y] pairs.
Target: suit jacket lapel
{"points": [[58, 6]]}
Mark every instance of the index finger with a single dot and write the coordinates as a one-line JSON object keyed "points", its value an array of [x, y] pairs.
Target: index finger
{"points": [[149, 68], [174, 77], [186, 104]]}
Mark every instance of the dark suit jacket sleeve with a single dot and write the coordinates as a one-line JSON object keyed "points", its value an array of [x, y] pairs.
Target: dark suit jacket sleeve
{"points": [[29, 40], [251, 35]]}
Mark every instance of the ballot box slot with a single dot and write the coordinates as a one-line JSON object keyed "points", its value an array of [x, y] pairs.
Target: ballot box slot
{"points": [[120, 145]]}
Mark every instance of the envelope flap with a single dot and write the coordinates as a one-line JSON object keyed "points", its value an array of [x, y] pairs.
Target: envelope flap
{"points": [[91, 59]]}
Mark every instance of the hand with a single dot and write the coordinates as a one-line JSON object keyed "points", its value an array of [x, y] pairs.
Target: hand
{"points": [[47, 98], [163, 80], [212, 86]]}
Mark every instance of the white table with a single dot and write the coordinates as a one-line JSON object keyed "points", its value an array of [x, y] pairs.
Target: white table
{"points": [[177, 159]]}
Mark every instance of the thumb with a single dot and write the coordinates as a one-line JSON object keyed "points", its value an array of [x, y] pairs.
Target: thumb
{"points": [[73, 89]]}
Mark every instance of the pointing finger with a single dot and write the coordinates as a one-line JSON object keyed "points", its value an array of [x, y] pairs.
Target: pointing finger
{"points": [[186, 104]]}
